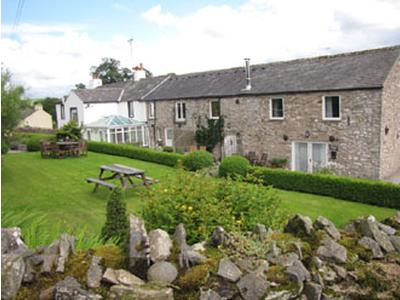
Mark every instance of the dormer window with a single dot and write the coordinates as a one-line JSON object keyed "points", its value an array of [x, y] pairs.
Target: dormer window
{"points": [[131, 109], [180, 110], [215, 109], [331, 108]]}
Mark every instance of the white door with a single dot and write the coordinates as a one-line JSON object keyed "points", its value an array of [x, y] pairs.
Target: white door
{"points": [[169, 137], [230, 145], [309, 156]]}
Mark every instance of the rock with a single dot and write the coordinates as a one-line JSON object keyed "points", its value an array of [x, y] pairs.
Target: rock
{"points": [[49, 260], [332, 251], [299, 226], [387, 229], [372, 245], [252, 286], [285, 259], [340, 271], [298, 246], [30, 274], [160, 245], [140, 293], [180, 236], [298, 272], [209, 295], [260, 231], [11, 241], [328, 275], [328, 227], [199, 247], [95, 273], [12, 273], [397, 217], [70, 289], [228, 270], [251, 265], [395, 239], [162, 272], [139, 247], [313, 291], [67, 245], [47, 294], [281, 295], [317, 262], [110, 276], [128, 279], [53, 249], [371, 229], [273, 251], [218, 237]]}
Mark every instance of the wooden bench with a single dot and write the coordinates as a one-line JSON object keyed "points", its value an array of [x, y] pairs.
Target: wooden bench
{"points": [[100, 182]]}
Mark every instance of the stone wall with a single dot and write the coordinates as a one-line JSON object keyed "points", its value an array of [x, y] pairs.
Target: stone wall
{"points": [[390, 137], [356, 134]]}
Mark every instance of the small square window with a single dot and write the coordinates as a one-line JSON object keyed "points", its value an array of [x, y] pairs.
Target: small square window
{"points": [[276, 109], [331, 108], [215, 109]]}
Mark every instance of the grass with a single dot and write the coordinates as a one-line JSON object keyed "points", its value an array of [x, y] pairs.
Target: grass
{"points": [[56, 191]]}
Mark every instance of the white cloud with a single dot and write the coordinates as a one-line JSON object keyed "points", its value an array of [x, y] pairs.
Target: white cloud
{"points": [[51, 59]]}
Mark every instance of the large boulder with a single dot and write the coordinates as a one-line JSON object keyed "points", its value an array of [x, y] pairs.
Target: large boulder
{"points": [[140, 293], [252, 286], [228, 270], [372, 245], [160, 245], [162, 271], [95, 273], [328, 227], [332, 251], [299, 226], [371, 229], [70, 289], [12, 273], [139, 246]]}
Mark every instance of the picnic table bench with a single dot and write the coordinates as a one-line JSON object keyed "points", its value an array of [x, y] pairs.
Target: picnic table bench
{"points": [[123, 173]]}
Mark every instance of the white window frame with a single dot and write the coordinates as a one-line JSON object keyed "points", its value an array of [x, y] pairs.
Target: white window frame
{"points": [[62, 111], [131, 109], [177, 105], [324, 112], [271, 117], [309, 153], [151, 110], [210, 104]]}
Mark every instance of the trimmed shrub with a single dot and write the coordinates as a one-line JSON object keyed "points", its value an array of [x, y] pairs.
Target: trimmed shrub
{"points": [[33, 144], [163, 158], [234, 165], [198, 160], [202, 203], [359, 190], [4, 148], [168, 149], [117, 224]]}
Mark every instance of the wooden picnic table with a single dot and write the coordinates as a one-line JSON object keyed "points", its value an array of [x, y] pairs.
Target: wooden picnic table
{"points": [[124, 173]]}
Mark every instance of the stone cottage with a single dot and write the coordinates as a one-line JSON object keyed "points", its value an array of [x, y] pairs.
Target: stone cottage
{"points": [[36, 117], [339, 111]]}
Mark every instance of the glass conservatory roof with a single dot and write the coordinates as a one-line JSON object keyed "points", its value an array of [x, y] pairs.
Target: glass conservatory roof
{"points": [[114, 121]]}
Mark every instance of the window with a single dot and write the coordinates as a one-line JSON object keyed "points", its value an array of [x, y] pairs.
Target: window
{"points": [[101, 134], [73, 114], [276, 109], [131, 109], [62, 111], [215, 109], [126, 135], [331, 108], [151, 110], [89, 136], [180, 110]]}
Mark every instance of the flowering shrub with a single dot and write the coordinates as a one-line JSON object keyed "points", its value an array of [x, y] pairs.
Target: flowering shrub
{"points": [[202, 203]]}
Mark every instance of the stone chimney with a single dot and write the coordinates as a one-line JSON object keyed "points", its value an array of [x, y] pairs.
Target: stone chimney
{"points": [[139, 72], [94, 82], [38, 107]]}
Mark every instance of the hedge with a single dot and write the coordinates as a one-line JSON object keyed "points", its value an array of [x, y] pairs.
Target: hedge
{"points": [[359, 190], [32, 140], [163, 158]]}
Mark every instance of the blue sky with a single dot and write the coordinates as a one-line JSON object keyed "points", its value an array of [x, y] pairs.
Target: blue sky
{"points": [[57, 42]]}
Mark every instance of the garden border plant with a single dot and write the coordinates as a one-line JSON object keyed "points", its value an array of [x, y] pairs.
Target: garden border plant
{"points": [[359, 190]]}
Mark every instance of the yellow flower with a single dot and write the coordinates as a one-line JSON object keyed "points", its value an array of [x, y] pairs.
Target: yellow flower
{"points": [[165, 190], [190, 208], [239, 222], [183, 207]]}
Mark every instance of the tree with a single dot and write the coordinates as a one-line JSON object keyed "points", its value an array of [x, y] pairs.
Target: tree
{"points": [[11, 104], [117, 224], [110, 71], [211, 135], [80, 86]]}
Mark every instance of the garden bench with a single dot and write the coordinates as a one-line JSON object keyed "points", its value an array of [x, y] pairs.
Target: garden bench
{"points": [[98, 182]]}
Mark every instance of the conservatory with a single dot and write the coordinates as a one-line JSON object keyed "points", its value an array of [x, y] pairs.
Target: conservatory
{"points": [[118, 130]]}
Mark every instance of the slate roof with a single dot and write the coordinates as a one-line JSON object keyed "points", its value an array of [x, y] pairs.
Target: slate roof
{"points": [[139, 89], [27, 112], [99, 95]]}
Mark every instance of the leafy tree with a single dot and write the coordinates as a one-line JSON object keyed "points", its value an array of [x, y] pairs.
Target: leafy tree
{"points": [[11, 104], [117, 224], [211, 135], [80, 86], [110, 71]]}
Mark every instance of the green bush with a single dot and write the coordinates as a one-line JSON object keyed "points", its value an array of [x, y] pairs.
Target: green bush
{"points": [[359, 190], [70, 131], [234, 165], [278, 162], [117, 224], [201, 203], [198, 160], [4, 147], [168, 149], [33, 144], [163, 158]]}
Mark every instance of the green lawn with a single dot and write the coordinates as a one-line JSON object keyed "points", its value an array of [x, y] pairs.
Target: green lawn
{"points": [[57, 188]]}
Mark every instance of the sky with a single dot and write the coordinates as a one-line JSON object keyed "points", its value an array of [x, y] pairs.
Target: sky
{"points": [[51, 46]]}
